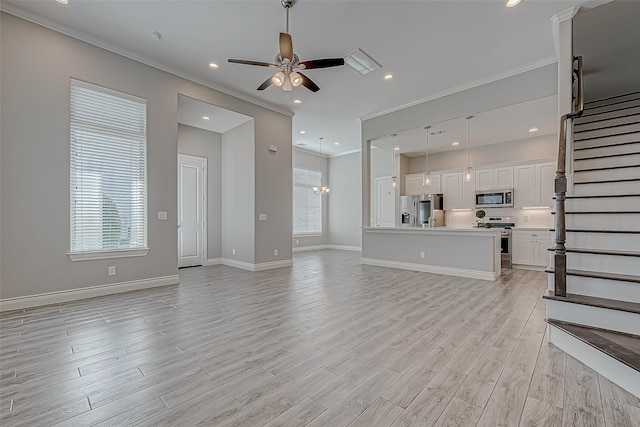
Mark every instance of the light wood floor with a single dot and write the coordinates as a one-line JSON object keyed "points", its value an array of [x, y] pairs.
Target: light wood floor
{"points": [[328, 342]]}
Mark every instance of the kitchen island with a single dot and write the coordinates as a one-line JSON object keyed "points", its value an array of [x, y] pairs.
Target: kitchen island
{"points": [[462, 252]]}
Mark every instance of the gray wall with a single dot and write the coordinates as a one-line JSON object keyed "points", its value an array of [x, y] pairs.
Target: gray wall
{"points": [[345, 205], [207, 144], [238, 185], [514, 151], [36, 65], [306, 160]]}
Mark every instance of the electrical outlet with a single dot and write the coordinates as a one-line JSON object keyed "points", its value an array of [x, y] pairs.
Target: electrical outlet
{"points": [[233, 251], [111, 270], [262, 217], [526, 218], [275, 252], [422, 255]]}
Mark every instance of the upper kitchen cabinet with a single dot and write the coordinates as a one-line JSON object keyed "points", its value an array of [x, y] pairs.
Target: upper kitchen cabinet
{"points": [[415, 186], [533, 185], [494, 178], [457, 192]]}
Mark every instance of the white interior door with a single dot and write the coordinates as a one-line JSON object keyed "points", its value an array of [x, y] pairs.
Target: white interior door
{"points": [[385, 203], [191, 198]]}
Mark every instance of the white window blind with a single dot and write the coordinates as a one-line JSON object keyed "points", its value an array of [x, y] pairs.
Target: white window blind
{"points": [[307, 206], [108, 170]]}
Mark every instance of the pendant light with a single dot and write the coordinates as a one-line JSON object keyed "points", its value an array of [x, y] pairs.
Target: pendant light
{"points": [[467, 172], [393, 160], [322, 190], [427, 174]]}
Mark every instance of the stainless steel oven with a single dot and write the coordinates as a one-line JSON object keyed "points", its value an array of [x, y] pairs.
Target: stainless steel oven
{"points": [[504, 223]]}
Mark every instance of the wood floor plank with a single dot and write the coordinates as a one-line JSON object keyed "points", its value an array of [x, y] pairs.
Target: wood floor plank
{"points": [[459, 413], [298, 415], [619, 414], [612, 391], [548, 380], [506, 403], [540, 414], [582, 401], [380, 413]]}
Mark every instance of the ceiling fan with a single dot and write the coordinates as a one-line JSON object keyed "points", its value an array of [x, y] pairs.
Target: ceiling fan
{"points": [[289, 64]]}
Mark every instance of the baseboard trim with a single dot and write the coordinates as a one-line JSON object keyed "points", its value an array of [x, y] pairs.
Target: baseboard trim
{"points": [[49, 298], [448, 271], [256, 267], [528, 267], [213, 261], [321, 247], [617, 372]]}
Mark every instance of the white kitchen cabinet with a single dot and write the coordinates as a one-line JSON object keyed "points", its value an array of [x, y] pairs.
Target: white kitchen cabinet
{"points": [[530, 247], [413, 184], [494, 178], [533, 185], [457, 192]]}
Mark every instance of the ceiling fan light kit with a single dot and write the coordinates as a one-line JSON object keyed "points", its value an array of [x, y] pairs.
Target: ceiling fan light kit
{"points": [[289, 64]]}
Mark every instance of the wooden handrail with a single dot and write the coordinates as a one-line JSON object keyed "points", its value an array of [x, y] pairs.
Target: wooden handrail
{"points": [[560, 184]]}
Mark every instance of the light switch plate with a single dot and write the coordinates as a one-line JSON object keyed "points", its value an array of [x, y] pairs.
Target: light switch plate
{"points": [[262, 217], [162, 215]]}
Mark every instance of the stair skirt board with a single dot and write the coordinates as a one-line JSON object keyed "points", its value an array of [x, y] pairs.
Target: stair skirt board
{"points": [[612, 369], [604, 221], [606, 188], [619, 203], [601, 288], [613, 320]]}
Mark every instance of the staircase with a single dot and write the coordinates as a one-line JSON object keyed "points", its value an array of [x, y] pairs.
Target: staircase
{"points": [[598, 321]]}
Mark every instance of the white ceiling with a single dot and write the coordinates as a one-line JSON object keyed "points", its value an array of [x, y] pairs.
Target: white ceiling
{"points": [[192, 112], [431, 47]]}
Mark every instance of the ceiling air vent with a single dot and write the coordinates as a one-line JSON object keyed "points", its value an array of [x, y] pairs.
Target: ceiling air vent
{"points": [[361, 62]]}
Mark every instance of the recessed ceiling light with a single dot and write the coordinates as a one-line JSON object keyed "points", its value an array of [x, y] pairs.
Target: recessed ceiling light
{"points": [[155, 35], [455, 143], [63, 1], [397, 148], [336, 143], [297, 101], [533, 130], [511, 3], [213, 65], [206, 118], [303, 131], [388, 77]]}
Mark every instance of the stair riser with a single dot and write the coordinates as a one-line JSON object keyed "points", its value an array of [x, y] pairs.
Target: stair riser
{"points": [[603, 204], [603, 263], [606, 189], [604, 241], [617, 372], [598, 150], [613, 103], [599, 133], [597, 317], [607, 123], [607, 175], [626, 222], [607, 162], [589, 117], [601, 288]]}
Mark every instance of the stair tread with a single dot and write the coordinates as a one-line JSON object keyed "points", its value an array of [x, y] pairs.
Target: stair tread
{"points": [[600, 252], [623, 347], [611, 304], [602, 196], [600, 275], [602, 181], [598, 212], [576, 230], [604, 168]]}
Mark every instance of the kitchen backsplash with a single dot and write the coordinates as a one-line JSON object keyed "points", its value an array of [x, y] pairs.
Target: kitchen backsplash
{"points": [[525, 218]]}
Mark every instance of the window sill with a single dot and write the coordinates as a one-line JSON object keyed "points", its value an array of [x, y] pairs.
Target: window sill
{"points": [[308, 235], [116, 253]]}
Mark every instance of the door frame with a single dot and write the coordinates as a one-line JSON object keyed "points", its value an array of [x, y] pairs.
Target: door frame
{"points": [[205, 201]]}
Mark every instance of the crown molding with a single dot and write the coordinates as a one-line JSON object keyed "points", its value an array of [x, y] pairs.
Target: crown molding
{"points": [[310, 151], [480, 82], [17, 11]]}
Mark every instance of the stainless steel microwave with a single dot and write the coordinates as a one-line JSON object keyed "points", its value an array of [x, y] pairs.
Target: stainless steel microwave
{"points": [[494, 198]]}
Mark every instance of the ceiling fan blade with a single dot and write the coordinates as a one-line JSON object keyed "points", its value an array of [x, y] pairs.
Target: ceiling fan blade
{"points": [[265, 84], [248, 62], [308, 83], [322, 63], [286, 47]]}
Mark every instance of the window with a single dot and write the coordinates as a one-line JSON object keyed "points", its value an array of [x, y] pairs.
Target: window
{"points": [[307, 206], [108, 173]]}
